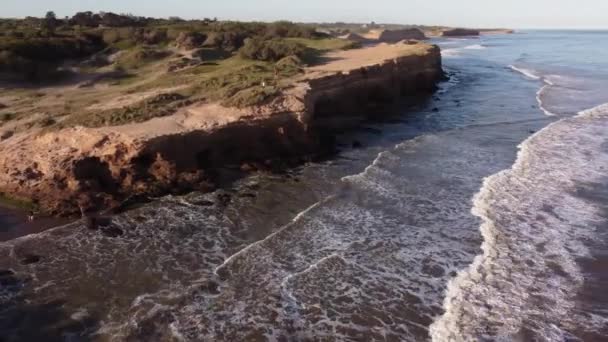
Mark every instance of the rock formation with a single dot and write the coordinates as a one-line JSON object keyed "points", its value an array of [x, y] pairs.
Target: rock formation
{"points": [[91, 169], [394, 36], [460, 32]]}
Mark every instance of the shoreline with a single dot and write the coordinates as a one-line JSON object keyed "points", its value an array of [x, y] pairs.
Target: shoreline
{"points": [[14, 223], [99, 169]]}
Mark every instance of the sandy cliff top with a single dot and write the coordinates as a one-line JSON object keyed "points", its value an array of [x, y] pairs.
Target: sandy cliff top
{"points": [[345, 61]]}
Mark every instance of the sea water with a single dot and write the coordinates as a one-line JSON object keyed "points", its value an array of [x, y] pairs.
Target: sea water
{"points": [[476, 214]]}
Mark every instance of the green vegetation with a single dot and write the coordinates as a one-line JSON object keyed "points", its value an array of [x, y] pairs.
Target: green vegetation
{"points": [[327, 44], [271, 50], [109, 57], [157, 106], [139, 56]]}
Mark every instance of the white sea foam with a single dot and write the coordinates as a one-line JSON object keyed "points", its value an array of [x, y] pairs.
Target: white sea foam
{"points": [[539, 99], [533, 228], [526, 72], [475, 47], [539, 95], [457, 52], [450, 52]]}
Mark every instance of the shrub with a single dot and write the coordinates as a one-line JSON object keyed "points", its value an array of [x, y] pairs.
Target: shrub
{"points": [[227, 41], [139, 56], [271, 50], [155, 36], [289, 66], [285, 29], [251, 96], [190, 40]]}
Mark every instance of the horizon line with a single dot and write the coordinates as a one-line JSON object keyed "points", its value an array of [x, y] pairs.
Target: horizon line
{"points": [[554, 28]]}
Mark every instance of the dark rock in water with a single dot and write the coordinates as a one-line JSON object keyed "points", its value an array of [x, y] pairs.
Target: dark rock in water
{"points": [[91, 222], [104, 221], [8, 280], [435, 109], [357, 144], [224, 199], [112, 232], [6, 273], [460, 32], [140, 218], [94, 222], [29, 259], [211, 287], [247, 195], [433, 270], [532, 131], [203, 203]]}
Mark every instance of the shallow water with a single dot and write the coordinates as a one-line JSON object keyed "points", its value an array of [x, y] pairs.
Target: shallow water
{"points": [[381, 243]]}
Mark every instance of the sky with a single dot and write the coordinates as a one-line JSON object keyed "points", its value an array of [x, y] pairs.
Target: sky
{"points": [[578, 14]]}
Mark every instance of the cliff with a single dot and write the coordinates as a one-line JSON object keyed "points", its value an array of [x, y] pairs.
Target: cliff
{"points": [[96, 168], [460, 32], [394, 36]]}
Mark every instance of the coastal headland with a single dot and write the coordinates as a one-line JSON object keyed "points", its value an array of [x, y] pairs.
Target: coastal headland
{"points": [[173, 116]]}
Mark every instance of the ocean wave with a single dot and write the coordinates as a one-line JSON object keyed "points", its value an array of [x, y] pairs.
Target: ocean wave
{"points": [[450, 52], [475, 47], [456, 52], [539, 99], [526, 72], [547, 80], [524, 284]]}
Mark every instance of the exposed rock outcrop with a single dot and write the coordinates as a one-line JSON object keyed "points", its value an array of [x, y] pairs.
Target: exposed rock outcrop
{"points": [[394, 36], [91, 169], [460, 32], [355, 38]]}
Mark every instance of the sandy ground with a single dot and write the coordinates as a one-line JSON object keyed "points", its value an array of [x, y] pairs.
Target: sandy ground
{"points": [[344, 61]]}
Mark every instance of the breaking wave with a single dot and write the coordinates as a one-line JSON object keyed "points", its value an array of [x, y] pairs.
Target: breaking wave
{"points": [[523, 286], [548, 83]]}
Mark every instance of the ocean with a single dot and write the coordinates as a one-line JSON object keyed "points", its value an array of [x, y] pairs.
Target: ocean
{"points": [[477, 214]]}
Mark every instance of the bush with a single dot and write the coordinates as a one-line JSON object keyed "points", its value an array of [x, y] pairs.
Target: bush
{"points": [[286, 29], [227, 41], [289, 66], [53, 49], [271, 50], [140, 56], [190, 40], [251, 97]]}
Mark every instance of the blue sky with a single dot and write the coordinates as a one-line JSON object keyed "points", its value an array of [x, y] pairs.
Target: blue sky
{"points": [[473, 13]]}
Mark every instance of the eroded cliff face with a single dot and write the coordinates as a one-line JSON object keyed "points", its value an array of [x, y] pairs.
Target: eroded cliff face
{"points": [[88, 169]]}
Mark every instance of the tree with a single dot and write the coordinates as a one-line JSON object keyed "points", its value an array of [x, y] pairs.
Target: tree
{"points": [[49, 24]]}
